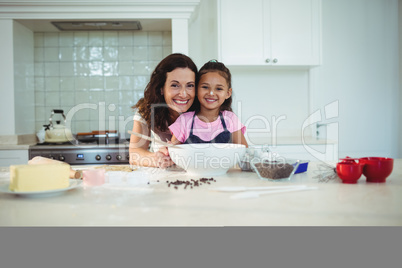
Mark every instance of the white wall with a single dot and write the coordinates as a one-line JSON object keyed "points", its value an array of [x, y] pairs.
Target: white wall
{"points": [[359, 76], [24, 79], [360, 70], [400, 76]]}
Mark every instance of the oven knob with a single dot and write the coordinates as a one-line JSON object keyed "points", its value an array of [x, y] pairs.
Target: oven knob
{"points": [[128, 157], [51, 157], [98, 157], [62, 158], [108, 157], [118, 157]]}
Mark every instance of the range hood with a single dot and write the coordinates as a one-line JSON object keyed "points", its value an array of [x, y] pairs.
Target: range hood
{"points": [[97, 25]]}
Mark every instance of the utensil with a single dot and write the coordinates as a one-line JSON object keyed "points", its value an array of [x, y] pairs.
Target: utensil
{"points": [[243, 189], [153, 140], [255, 194]]}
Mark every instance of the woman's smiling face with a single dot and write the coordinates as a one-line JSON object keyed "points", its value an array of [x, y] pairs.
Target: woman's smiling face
{"points": [[179, 90]]}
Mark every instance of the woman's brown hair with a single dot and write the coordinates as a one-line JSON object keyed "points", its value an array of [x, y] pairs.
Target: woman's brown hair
{"points": [[220, 68], [153, 104]]}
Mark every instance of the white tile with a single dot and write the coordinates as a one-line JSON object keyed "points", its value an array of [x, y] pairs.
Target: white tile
{"points": [[167, 38], [39, 39], [52, 99], [125, 53], [110, 39], [95, 53], [67, 83], [112, 97], [112, 83], [81, 39], [140, 82], [110, 53], [81, 114], [152, 65], [39, 83], [155, 38], [95, 68], [39, 54], [97, 96], [66, 39], [140, 38], [141, 68], [80, 53], [94, 124], [155, 53], [51, 53], [51, 39], [40, 115], [167, 51], [96, 83], [82, 83], [67, 98], [125, 68], [52, 84], [67, 68], [140, 53], [96, 39], [39, 69], [40, 98], [81, 69], [52, 69], [82, 97], [125, 38], [126, 97], [81, 126], [125, 82], [110, 68], [66, 54]]}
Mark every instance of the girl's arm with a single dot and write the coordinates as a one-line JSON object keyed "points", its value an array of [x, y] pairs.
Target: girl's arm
{"points": [[238, 138], [138, 149], [174, 140]]}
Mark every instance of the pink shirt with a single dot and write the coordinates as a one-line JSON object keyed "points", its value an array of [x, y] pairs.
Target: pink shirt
{"points": [[205, 131]]}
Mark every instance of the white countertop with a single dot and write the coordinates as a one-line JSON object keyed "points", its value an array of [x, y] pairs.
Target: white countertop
{"points": [[127, 200]]}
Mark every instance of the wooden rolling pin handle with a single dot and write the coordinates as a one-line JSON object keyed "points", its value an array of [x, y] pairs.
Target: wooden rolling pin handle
{"points": [[38, 160]]}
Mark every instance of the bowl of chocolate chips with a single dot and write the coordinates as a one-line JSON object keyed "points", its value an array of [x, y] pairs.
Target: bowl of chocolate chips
{"points": [[281, 169]]}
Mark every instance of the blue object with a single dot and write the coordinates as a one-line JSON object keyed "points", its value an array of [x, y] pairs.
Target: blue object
{"points": [[302, 167]]}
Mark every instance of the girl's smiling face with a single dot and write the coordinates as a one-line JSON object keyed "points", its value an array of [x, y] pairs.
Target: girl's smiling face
{"points": [[213, 90], [179, 90]]}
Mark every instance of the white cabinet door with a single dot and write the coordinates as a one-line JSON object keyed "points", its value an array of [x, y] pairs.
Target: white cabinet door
{"points": [[269, 32], [294, 32], [241, 32], [13, 157]]}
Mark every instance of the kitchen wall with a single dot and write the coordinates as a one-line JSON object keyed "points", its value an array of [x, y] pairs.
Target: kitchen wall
{"points": [[95, 76], [355, 90]]}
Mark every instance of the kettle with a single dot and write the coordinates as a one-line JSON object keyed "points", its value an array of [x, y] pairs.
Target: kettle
{"points": [[57, 133]]}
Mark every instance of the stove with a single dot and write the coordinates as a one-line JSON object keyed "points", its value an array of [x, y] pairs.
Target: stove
{"points": [[83, 153]]}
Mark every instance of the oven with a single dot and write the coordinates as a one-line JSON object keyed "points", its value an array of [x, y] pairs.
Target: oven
{"points": [[83, 153]]}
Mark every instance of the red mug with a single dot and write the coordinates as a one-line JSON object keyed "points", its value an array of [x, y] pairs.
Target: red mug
{"points": [[377, 169], [349, 171]]}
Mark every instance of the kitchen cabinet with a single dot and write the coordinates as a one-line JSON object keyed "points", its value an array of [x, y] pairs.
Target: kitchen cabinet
{"points": [[269, 32], [13, 157]]}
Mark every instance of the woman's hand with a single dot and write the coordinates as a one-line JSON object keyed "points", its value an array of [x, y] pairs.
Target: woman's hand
{"points": [[162, 158]]}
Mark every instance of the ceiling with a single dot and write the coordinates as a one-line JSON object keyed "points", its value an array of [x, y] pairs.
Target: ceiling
{"points": [[41, 25]]}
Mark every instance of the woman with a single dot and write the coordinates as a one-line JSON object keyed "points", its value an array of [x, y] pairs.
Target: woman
{"points": [[170, 92]]}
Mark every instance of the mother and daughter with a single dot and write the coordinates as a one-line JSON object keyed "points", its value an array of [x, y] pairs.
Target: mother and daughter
{"points": [[181, 105]]}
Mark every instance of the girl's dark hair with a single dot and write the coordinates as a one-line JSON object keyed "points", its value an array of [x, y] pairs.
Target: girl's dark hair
{"points": [[218, 67], [153, 98]]}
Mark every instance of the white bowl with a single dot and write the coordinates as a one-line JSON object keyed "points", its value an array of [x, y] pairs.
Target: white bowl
{"points": [[207, 159]]}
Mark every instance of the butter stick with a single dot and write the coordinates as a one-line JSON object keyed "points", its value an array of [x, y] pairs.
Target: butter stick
{"points": [[39, 160], [41, 177]]}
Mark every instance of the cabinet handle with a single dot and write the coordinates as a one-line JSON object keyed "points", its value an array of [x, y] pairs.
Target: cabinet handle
{"points": [[275, 61], [267, 60]]}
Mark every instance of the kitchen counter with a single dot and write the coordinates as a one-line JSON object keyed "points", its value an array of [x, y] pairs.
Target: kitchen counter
{"points": [[128, 200]]}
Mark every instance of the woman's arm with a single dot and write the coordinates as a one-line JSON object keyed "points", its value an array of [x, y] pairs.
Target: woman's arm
{"points": [[238, 138], [138, 149]]}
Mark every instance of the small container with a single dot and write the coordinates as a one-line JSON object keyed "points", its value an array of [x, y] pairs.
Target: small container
{"points": [[303, 165], [279, 170], [93, 177]]}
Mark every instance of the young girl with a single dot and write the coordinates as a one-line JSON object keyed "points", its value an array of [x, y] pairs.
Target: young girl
{"points": [[213, 121]]}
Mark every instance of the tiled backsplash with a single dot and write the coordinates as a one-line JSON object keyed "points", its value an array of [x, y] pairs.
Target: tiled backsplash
{"points": [[95, 77]]}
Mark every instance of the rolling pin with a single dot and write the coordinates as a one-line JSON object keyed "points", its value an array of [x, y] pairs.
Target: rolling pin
{"points": [[38, 160]]}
